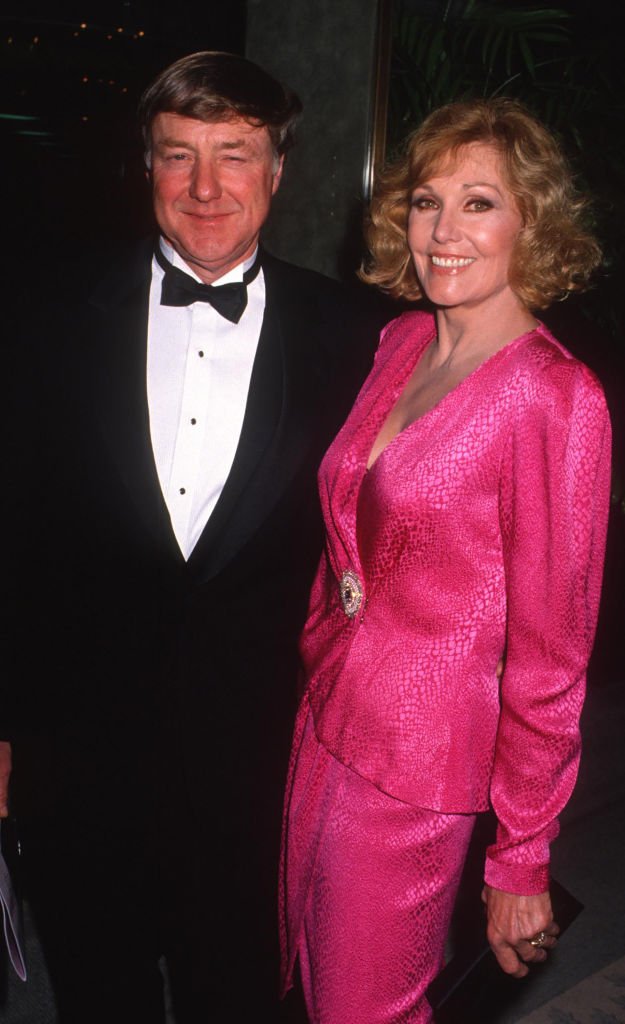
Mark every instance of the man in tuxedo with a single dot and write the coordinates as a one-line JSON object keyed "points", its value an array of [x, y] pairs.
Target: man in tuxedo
{"points": [[171, 413]]}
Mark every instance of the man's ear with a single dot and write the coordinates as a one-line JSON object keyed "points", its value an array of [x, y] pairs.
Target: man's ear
{"points": [[277, 175]]}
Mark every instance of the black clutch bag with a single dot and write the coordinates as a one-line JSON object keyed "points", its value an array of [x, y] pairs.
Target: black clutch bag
{"points": [[472, 985]]}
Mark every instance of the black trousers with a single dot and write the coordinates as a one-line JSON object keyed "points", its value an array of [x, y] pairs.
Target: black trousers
{"points": [[118, 884]]}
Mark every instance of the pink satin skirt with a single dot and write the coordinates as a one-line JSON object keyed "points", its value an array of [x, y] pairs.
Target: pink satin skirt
{"points": [[368, 887]]}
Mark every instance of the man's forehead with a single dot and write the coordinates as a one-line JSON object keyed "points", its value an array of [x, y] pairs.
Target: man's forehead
{"points": [[168, 126]]}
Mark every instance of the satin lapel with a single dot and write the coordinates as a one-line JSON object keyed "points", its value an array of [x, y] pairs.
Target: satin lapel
{"points": [[230, 520], [117, 347], [287, 380]]}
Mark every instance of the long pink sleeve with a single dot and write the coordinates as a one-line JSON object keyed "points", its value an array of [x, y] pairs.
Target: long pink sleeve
{"points": [[479, 530], [553, 511]]}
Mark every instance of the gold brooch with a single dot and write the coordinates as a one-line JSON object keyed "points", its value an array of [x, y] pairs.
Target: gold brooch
{"points": [[351, 593]]}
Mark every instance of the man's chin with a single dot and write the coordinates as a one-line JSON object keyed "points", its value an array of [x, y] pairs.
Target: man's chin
{"points": [[213, 261]]}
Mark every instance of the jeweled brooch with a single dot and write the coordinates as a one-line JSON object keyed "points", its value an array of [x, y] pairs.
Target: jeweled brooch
{"points": [[351, 593]]}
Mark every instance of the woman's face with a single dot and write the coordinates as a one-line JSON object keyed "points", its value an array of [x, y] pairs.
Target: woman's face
{"points": [[462, 229]]}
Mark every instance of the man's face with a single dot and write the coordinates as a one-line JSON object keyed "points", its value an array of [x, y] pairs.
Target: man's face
{"points": [[212, 188]]}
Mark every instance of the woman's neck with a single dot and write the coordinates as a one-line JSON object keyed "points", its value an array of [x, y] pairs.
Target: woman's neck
{"points": [[464, 332]]}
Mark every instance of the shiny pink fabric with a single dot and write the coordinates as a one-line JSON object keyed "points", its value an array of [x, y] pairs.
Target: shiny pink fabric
{"points": [[372, 882], [480, 528]]}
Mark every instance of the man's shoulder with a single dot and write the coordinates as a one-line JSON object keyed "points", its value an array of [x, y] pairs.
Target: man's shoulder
{"points": [[104, 275], [337, 324], [57, 314], [303, 276], [76, 278], [291, 285]]}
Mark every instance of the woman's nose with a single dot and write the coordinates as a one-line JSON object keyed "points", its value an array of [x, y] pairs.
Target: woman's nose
{"points": [[446, 227]]}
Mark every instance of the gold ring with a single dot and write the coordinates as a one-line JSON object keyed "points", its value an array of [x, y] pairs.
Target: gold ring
{"points": [[538, 940]]}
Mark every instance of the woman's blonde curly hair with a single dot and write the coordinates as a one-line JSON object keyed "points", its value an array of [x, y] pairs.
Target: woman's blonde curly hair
{"points": [[554, 255]]}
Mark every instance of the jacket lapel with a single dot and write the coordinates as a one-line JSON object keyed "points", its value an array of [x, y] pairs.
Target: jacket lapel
{"points": [[230, 519], [116, 345], [287, 380]]}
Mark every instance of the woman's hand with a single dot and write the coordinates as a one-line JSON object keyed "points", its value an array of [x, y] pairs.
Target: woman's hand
{"points": [[515, 920]]}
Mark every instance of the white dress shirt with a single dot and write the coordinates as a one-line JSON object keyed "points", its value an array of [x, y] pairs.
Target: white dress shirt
{"points": [[199, 367]]}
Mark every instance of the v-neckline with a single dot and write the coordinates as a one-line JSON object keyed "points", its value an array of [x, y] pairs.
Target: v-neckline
{"points": [[398, 392]]}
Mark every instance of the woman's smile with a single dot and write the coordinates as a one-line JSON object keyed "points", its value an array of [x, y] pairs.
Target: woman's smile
{"points": [[464, 217]]}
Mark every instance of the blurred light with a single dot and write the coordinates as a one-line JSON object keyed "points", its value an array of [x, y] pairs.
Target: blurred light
{"points": [[83, 24], [35, 39], [84, 118], [120, 30], [140, 33], [85, 78]]}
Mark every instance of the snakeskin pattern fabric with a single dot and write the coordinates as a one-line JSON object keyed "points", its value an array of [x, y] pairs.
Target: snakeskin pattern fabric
{"points": [[479, 530], [372, 883]]}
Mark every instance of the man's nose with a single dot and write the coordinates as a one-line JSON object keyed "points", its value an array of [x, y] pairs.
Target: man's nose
{"points": [[205, 183]]}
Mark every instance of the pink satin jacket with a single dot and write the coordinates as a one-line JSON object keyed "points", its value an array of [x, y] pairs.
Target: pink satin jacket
{"points": [[479, 530]]}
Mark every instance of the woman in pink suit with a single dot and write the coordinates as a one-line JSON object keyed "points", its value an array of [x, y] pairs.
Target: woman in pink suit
{"points": [[465, 504]]}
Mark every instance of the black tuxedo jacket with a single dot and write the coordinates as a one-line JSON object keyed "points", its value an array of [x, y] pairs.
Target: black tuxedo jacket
{"points": [[122, 655]]}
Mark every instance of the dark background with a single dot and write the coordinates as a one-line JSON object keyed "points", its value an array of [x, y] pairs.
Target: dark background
{"points": [[72, 176]]}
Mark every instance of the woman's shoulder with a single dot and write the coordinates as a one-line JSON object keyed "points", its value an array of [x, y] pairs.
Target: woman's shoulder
{"points": [[413, 323], [542, 368], [414, 328]]}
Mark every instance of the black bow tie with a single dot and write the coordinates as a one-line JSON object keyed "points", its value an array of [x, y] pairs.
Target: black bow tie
{"points": [[180, 289]]}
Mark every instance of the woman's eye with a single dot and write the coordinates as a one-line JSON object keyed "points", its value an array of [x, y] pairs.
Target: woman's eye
{"points": [[424, 203], [479, 205]]}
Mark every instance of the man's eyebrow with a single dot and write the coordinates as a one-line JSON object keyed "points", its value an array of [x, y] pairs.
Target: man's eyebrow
{"points": [[173, 143], [234, 144]]}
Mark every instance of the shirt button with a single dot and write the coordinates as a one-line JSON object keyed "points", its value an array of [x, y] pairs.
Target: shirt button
{"points": [[183, 490], [193, 421], [201, 355]]}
